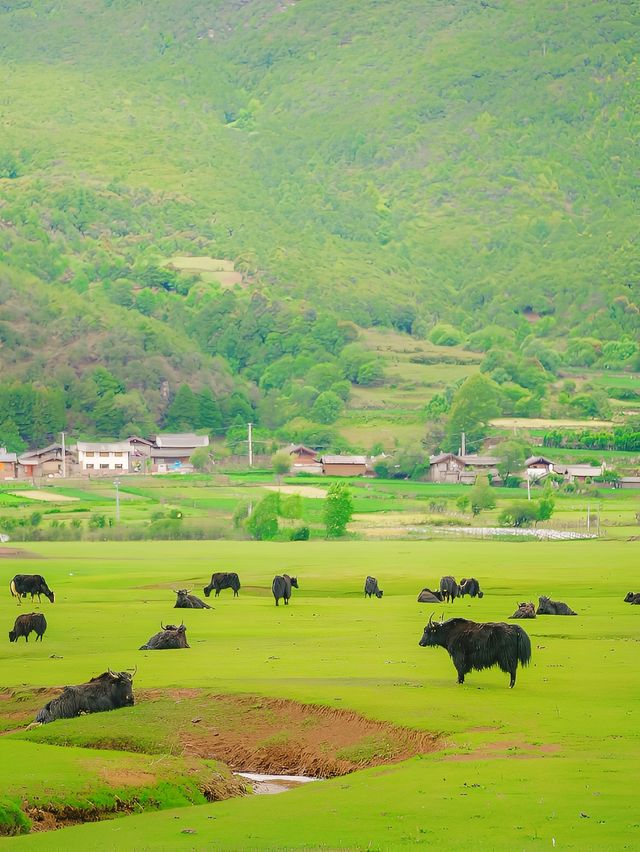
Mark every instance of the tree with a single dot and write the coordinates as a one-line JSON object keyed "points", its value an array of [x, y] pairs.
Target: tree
{"points": [[546, 504], [201, 459], [481, 497], [10, 437], [281, 464], [327, 407], [475, 402], [519, 514], [209, 414], [511, 456], [338, 509], [184, 410], [263, 523], [463, 502]]}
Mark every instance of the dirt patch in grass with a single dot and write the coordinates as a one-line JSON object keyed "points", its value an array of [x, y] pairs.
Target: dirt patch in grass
{"points": [[302, 490], [281, 737], [15, 553], [46, 496]]}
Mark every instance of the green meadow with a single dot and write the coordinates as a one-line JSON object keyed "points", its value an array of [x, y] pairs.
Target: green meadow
{"points": [[548, 764]]}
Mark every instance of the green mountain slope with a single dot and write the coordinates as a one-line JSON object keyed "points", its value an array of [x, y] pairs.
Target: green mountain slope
{"points": [[388, 163]]}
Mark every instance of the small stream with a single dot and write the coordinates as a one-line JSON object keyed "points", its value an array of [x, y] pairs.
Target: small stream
{"points": [[269, 784]]}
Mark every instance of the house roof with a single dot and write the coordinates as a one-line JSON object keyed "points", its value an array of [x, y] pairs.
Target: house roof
{"points": [[140, 440], [7, 457], [537, 460], [582, 470], [171, 452], [181, 439], [630, 479], [299, 448], [104, 447], [442, 457], [479, 461], [344, 460]]}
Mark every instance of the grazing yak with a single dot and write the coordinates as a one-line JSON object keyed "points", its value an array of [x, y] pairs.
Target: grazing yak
{"points": [[169, 638], [371, 588], [479, 646], [30, 584], [470, 587], [549, 607], [525, 610], [427, 596], [633, 598], [449, 589], [188, 601], [107, 691], [30, 621], [281, 587], [223, 580]]}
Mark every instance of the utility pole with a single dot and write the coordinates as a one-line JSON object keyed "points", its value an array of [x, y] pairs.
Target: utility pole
{"points": [[528, 485], [116, 483], [64, 457], [588, 518], [250, 445], [463, 451]]}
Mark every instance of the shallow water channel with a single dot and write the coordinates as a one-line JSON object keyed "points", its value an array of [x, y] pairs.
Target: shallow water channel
{"points": [[270, 784]]}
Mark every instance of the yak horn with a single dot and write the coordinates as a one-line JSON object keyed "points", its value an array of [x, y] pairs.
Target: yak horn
{"points": [[114, 675], [162, 626], [431, 618]]}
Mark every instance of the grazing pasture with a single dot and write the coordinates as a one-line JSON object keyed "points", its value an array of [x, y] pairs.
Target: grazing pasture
{"points": [[546, 763]]}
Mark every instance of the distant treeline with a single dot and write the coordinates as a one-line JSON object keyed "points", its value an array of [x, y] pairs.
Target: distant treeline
{"points": [[625, 438]]}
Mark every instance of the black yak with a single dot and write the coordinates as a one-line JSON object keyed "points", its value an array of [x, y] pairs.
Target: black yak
{"points": [[371, 588], [107, 691], [633, 598], [30, 584], [549, 607], [449, 589], [525, 610], [427, 596], [186, 600], [223, 580], [479, 646], [281, 587], [470, 587], [169, 638], [29, 621]]}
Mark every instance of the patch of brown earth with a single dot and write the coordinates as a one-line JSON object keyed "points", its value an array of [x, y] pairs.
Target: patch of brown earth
{"points": [[15, 553], [282, 737]]}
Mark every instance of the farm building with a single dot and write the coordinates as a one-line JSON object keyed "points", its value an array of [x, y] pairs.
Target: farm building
{"points": [[8, 464], [344, 465], [172, 452], [462, 469], [579, 472], [303, 459], [535, 467], [629, 482], [47, 462]]}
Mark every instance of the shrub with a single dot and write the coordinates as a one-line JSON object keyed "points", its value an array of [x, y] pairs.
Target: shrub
{"points": [[300, 534]]}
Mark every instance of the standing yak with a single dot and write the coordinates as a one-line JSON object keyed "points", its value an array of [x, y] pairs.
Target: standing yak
{"points": [[281, 587], [479, 646], [449, 589], [30, 584], [26, 623], [470, 587], [186, 600], [108, 691], [548, 607], [223, 580], [371, 588], [168, 639]]}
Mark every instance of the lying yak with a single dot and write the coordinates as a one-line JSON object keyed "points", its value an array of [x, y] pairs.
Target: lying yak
{"points": [[470, 587], [169, 638], [30, 584], [223, 580], [25, 624], [281, 587], [449, 589], [479, 646], [371, 588], [427, 596], [548, 607], [525, 610], [188, 601], [107, 691], [633, 598]]}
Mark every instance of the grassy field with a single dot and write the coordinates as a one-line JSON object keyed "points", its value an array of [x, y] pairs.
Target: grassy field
{"points": [[546, 764]]}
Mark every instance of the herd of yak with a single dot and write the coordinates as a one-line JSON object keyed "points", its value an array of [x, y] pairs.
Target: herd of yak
{"points": [[471, 645]]}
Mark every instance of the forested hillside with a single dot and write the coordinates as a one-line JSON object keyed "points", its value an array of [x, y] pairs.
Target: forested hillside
{"points": [[459, 171]]}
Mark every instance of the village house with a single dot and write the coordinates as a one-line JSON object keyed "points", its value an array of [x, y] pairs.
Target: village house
{"points": [[103, 457], [8, 464], [629, 482], [344, 465], [173, 451], [303, 459], [579, 473], [537, 467], [459, 469], [47, 462]]}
